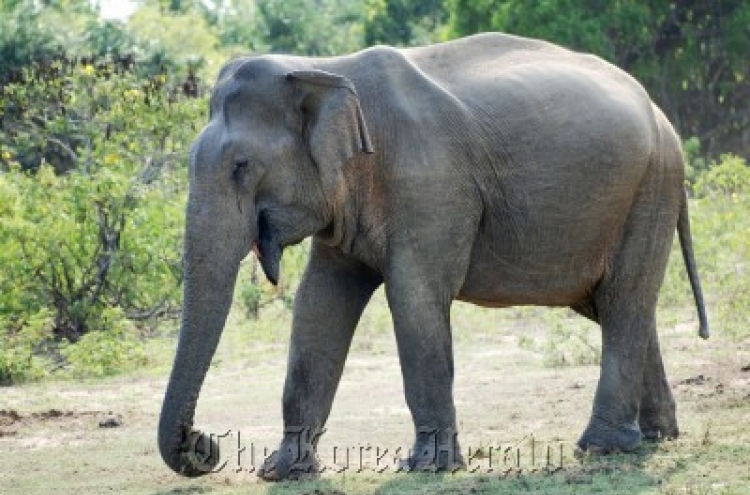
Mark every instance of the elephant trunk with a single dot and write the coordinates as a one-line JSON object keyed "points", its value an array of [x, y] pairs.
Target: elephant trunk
{"points": [[208, 290]]}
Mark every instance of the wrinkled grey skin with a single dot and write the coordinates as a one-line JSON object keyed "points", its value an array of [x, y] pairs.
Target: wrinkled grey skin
{"points": [[494, 169]]}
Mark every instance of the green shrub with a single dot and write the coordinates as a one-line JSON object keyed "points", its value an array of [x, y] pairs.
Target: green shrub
{"points": [[110, 349], [92, 193], [570, 341], [20, 360], [251, 296], [729, 177]]}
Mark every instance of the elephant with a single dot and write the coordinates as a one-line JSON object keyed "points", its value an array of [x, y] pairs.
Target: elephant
{"points": [[493, 169]]}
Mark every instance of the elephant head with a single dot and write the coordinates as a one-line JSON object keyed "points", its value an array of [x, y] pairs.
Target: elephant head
{"points": [[266, 172]]}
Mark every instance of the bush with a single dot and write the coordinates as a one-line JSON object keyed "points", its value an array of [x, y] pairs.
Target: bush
{"points": [[19, 348], [92, 191], [729, 178], [112, 349]]}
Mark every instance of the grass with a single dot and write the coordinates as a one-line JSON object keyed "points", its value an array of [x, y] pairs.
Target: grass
{"points": [[506, 393]]}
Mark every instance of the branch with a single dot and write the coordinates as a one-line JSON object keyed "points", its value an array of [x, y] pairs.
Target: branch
{"points": [[161, 310], [717, 130], [65, 147]]}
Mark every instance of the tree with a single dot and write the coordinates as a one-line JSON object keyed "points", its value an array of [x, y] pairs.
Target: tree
{"points": [[232, 21], [319, 27], [23, 38], [403, 22], [165, 33]]}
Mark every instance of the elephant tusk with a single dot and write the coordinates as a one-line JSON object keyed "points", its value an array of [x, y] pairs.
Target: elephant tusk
{"points": [[256, 249]]}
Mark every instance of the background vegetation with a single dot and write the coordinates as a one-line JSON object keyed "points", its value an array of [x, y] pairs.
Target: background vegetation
{"points": [[96, 116]]}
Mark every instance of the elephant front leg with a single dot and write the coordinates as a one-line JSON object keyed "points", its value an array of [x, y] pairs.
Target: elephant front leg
{"points": [[421, 318], [330, 299]]}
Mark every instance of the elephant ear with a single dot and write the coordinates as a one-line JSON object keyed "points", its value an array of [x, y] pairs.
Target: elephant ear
{"points": [[334, 123]]}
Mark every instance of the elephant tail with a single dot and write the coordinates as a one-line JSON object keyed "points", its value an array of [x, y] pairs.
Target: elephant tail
{"points": [[686, 243]]}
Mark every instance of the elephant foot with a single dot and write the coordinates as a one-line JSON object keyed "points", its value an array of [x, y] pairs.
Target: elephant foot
{"points": [[657, 417], [295, 459], [602, 438], [655, 429], [199, 454], [434, 451], [280, 465]]}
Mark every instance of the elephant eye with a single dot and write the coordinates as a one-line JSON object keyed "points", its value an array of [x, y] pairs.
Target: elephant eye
{"points": [[239, 167]]}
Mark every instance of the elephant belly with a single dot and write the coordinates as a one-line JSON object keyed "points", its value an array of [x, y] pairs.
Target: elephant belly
{"points": [[494, 285], [559, 270]]}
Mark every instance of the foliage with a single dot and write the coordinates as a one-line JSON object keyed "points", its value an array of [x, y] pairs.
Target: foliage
{"points": [[165, 35], [19, 346], [695, 163], [326, 27], [31, 34], [23, 39], [231, 20], [91, 203], [105, 352], [730, 177], [403, 22], [266, 26]]}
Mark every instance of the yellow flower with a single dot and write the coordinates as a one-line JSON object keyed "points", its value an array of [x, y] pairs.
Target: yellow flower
{"points": [[111, 158], [88, 70], [132, 94]]}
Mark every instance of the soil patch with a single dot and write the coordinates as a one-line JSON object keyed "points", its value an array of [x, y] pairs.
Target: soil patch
{"points": [[11, 420]]}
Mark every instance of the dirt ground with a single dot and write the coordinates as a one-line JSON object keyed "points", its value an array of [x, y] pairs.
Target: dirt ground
{"points": [[518, 421]]}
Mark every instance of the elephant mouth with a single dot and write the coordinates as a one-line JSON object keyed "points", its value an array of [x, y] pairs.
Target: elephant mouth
{"points": [[268, 249]]}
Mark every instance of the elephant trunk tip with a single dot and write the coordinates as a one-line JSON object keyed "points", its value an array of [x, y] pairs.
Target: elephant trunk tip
{"points": [[196, 455]]}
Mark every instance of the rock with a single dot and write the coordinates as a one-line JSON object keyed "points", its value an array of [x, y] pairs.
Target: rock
{"points": [[111, 421]]}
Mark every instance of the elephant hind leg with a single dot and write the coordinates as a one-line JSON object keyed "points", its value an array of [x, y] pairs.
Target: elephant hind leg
{"points": [[657, 417], [614, 425], [625, 300]]}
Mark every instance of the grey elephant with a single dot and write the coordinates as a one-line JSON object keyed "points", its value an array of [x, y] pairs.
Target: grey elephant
{"points": [[492, 169]]}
